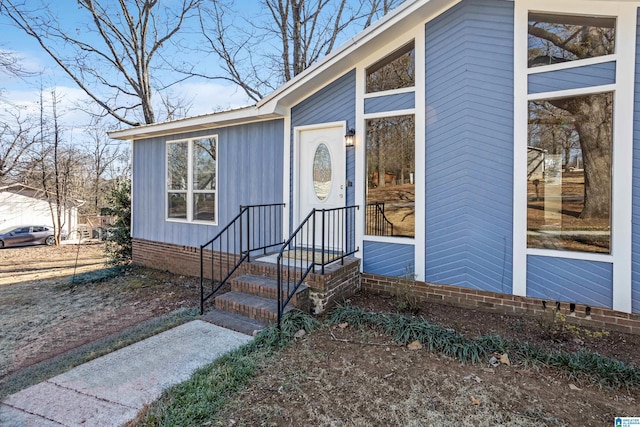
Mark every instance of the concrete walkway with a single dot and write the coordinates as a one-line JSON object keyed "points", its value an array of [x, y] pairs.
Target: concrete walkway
{"points": [[111, 390]]}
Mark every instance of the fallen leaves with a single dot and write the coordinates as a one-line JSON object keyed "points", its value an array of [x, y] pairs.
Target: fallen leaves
{"points": [[474, 401], [499, 359], [414, 346]]}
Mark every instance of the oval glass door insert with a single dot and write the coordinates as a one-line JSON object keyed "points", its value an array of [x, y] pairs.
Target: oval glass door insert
{"points": [[322, 172]]}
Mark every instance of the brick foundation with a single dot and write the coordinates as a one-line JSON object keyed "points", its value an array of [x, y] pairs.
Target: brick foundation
{"points": [[176, 258], [579, 314]]}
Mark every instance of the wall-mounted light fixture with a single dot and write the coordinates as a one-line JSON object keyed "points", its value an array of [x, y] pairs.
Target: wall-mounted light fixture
{"points": [[350, 138]]}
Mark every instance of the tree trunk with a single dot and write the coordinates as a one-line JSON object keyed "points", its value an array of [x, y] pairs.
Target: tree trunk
{"points": [[593, 123]]}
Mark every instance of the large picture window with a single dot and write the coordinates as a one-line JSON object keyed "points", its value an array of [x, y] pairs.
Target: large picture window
{"points": [[390, 198], [192, 179], [569, 173]]}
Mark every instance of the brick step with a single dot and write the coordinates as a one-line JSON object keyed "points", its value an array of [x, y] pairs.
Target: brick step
{"points": [[235, 322], [254, 307], [267, 287]]}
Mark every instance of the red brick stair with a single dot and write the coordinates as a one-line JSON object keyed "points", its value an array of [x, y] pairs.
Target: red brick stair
{"points": [[252, 305]]}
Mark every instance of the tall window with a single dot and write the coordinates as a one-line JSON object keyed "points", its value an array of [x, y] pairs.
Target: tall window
{"points": [[192, 179], [569, 173], [390, 153], [570, 139]]}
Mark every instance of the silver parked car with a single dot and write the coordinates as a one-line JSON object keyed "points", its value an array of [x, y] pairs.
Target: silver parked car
{"points": [[26, 235]]}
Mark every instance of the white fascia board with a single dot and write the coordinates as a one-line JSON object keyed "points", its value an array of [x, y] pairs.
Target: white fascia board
{"points": [[191, 124], [351, 53]]}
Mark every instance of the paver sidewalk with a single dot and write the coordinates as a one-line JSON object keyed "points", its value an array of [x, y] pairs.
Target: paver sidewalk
{"points": [[111, 390]]}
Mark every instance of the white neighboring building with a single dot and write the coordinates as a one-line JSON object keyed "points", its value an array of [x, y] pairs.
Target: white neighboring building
{"points": [[24, 205]]}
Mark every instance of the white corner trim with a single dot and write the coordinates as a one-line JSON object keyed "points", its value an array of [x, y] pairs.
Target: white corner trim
{"points": [[286, 176], [621, 221], [520, 151], [420, 155]]}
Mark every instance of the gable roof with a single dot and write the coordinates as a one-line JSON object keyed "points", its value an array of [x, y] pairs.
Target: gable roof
{"points": [[343, 59], [35, 193]]}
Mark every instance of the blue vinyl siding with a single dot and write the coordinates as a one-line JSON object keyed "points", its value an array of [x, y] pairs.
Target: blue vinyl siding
{"points": [[635, 279], [250, 159], [399, 101], [334, 103], [578, 281], [590, 75], [388, 259], [469, 146]]}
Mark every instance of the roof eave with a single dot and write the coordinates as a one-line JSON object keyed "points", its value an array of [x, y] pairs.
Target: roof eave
{"points": [[192, 124]]}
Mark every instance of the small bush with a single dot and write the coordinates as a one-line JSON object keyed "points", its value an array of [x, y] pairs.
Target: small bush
{"points": [[118, 248]]}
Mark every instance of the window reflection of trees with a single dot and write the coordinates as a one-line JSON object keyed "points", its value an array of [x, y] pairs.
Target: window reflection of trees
{"points": [[204, 170], [572, 207], [390, 150], [395, 71], [561, 38], [177, 160]]}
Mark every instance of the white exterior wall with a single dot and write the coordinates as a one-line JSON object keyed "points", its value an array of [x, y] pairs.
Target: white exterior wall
{"points": [[17, 209]]}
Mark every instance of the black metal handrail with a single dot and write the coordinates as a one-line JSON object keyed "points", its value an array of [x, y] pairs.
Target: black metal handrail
{"points": [[323, 237], [377, 222], [255, 228]]}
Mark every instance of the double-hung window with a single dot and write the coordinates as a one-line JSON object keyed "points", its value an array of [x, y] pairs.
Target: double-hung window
{"points": [[192, 179]]}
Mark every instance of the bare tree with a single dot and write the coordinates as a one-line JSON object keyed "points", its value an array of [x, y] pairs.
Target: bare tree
{"points": [[100, 154], [9, 63], [116, 57], [260, 54], [16, 139]]}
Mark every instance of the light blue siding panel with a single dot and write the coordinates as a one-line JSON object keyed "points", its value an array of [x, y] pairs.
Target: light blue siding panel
{"points": [[635, 279], [399, 101], [250, 159], [333, 103], [388, 259], [469, 146], [589, 75], [578, 281]]}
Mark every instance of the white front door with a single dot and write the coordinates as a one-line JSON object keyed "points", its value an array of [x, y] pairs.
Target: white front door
{"points": [[321, 170]]}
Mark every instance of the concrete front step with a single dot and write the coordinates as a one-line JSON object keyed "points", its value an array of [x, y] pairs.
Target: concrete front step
{"points": [[267, 287], [251, 306], [235, 322]]}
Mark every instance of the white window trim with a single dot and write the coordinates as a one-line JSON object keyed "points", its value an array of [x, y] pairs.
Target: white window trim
{"points": [[416, 34], [622, 161], [573, 64], [389, 92], [190, 191]]}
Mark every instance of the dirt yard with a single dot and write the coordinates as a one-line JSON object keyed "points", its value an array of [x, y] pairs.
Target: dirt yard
{"points": [[334, 376], [43, 314], [359, 377]]}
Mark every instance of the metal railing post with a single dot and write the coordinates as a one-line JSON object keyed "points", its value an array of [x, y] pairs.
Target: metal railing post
{"points": [[201, 281], [322, 240]]}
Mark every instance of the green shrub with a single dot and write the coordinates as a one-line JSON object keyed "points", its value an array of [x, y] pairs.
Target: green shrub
{"points": [[118, 247]]}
